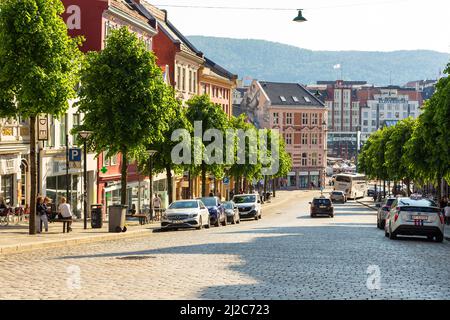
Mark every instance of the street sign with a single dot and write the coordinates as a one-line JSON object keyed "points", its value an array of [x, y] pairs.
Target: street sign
{"points": [[75, 155], [226, 181], [42, 128]]}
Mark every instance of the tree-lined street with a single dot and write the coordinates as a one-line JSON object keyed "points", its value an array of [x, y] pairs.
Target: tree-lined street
{"points": [[286, 255]]}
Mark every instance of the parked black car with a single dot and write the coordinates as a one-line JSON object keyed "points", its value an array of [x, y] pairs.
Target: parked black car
{"points": [[216, 210]]}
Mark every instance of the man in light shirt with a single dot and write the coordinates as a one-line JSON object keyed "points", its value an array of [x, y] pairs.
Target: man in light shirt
{"points": [[64, 211]]}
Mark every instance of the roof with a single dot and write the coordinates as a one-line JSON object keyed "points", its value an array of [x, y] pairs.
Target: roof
{"points": [[219, 70], [129, 7], [170, 30], [327, 82], [290, 91]]}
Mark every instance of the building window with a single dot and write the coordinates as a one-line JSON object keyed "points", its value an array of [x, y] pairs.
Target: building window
{"points": [[190, 81], [314, 159], [314, 138], [289, 138], [288, 118], [314, 119], [109, 161], [178, 78], [183, 83], [304, 159], [76, 122], [304, 119], [62, 130], [304, 138], [275, 118]]}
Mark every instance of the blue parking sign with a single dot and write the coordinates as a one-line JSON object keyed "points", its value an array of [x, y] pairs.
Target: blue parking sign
{"points": [[75, 155]]}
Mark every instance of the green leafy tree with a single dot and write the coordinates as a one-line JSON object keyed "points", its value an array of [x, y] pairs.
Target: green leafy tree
{"points": [[39, 66], [212, 117], [175, 119], [396, 162], [243, 168], [122, 96]]}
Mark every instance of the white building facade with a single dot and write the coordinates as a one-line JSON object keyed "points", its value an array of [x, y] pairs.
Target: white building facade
{"points": [[387, 108]]}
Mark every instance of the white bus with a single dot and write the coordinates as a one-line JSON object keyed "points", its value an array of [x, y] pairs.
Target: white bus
{"points": [[353, 184]]}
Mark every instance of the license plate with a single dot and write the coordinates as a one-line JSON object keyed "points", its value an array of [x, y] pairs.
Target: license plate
{"points": [[418, 217], [322, 207], [177, 221]]}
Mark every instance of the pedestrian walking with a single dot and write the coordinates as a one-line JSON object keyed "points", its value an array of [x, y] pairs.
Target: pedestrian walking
{"points": [[447, 213], [156, 205], [65, 212], [41, 214]]}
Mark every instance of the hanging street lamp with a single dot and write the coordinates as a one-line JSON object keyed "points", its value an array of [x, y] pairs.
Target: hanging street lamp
{"points": [[300, 17]]}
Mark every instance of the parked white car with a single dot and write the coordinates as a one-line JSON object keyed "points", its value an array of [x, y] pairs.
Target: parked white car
{"points": [[415, 217], [186, 214], [249, 205]]}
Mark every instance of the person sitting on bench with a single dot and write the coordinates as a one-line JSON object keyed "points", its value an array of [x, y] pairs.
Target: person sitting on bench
{"points": [[65, 212]]}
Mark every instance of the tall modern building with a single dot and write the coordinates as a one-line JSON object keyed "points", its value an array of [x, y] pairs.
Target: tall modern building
{"points": [[388, 106], [343, 104]]}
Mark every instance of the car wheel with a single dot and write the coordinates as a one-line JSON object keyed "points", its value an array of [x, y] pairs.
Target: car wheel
{"points": [[200, 227], [386, 234], [331, 215], [224, 223], [233, 220], [440, 238], [207, 226], [392, 236]]}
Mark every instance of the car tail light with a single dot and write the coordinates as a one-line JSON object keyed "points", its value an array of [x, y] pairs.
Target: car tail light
{"points": [[396, 217], [441, 217]]}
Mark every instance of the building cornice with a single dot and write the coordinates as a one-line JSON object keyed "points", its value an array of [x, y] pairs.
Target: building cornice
{"points": [[132, 21]]}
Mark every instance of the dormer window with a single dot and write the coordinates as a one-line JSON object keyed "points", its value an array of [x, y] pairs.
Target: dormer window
{"points": [[282, 98], [307, 99], [295, 99]]}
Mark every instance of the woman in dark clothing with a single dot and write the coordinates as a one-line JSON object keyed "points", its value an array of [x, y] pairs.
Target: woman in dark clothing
{"points": [[41, 214]]}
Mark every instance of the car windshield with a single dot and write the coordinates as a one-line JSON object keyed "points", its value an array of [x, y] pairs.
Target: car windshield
{"points": [[416, 202], [184, 205], [337, 193], [389, 202], [244, 199], [321, 202], [343, 179], [209, 201], [228, 205]]}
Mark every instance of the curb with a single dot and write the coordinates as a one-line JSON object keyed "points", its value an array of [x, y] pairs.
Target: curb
{"points": [[75, 241]]}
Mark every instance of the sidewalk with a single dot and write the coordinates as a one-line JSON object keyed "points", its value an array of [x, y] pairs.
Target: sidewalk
{"points": [[368, 202], [15, 238]]}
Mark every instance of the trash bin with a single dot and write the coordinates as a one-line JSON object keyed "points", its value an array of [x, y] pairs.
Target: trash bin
{"points": [[117, 215], [96, 216]]}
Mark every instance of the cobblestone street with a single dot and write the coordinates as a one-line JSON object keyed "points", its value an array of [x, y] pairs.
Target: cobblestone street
{"points": [[286, 255]]}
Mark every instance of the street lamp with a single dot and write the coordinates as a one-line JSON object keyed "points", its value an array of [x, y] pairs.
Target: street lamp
{"points": [[85, 136], [300, 17], [151, 153]]}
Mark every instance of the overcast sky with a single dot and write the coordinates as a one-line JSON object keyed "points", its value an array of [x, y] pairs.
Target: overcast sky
{"points": [[376, 25]]}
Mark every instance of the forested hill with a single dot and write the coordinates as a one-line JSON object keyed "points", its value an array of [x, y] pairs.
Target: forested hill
{"points": [[272, 61]]}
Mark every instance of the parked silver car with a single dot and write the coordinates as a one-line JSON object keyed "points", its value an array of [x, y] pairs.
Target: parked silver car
{"points": [[231, 212], [338, 196]]}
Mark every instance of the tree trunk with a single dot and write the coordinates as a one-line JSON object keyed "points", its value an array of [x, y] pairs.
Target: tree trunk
{"points": [[274, 187], [265, 185], [384, 188], [123, 180], [32, 225], [169, 183], [438, 189], [236, 184], [203, 179]]}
